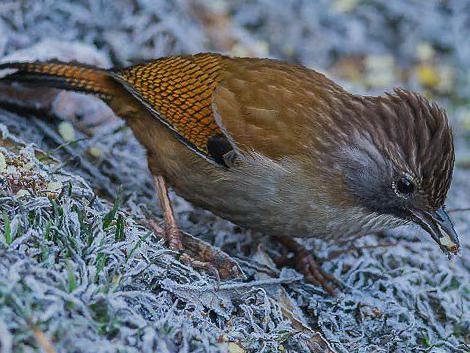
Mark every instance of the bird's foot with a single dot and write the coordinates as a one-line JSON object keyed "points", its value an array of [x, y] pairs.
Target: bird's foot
{"points": [[205, 266], [307, 264], [172, 236]]}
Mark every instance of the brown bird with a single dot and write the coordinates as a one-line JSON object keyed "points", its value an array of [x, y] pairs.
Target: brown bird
{"points": [[276, 147]]}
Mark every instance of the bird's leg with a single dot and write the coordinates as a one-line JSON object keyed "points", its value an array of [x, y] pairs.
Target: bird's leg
{"points": [[172, 232], [306, 264]]}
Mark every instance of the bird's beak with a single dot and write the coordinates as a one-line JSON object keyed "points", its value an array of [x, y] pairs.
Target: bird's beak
{"points": [[438, 224]]}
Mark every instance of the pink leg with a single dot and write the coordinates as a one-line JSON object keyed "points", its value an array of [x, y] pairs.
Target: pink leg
{"points": [[306, 264], [172, 233]]}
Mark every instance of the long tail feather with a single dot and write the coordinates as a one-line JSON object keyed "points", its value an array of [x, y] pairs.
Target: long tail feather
{"points": [[69, 76]]}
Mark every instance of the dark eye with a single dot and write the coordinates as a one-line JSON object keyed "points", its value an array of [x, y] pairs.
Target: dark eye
{"points": [[405, 186]]}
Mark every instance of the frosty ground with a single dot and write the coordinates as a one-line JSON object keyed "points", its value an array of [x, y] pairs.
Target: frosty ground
{"points": [[78, 270]]}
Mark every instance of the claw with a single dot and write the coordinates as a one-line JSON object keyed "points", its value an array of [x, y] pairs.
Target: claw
{"points": [[306, 264], [313, 273]]}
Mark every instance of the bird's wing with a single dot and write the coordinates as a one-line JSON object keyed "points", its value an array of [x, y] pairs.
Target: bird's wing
{"points": [[178, 91], [262, 106], [220, 106]]}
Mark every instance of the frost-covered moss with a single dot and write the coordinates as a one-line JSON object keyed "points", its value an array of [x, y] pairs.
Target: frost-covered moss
{"points": [[81, 277]]}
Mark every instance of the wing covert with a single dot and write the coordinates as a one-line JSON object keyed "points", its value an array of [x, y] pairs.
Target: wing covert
{"points": [[178, 91]]}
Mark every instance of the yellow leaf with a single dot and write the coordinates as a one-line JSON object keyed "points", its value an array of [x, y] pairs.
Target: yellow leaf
{"points": [[424, 51], [54, 188], [344, 5], [465, 120], [235, 348], [428, 76], [3, 163], [95, 152], [22, 192], [380, 70], [67, 131]]}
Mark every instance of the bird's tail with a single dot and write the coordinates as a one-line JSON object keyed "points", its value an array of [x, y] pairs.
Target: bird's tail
{"points": [[69, 76]]}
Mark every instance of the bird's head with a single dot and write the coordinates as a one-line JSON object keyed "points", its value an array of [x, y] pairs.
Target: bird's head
{"points": [[396, 156]]}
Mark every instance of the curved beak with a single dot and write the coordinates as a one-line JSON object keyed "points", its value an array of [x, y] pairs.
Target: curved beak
{"points": [[438, 224]]}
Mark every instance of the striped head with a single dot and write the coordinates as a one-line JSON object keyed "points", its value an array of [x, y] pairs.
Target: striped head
{"points": [[397, 160]]}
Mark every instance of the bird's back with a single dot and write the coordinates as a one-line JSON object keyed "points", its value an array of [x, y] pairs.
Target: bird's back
{"points": [[258, 104]]}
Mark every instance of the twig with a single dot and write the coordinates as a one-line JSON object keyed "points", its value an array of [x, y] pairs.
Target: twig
{"points": [[452, 210], [42, 339], [337, 253], [234, 287], [317, 343]]}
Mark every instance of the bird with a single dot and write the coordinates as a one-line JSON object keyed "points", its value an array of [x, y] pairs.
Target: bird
{"points": [[276, 147]]}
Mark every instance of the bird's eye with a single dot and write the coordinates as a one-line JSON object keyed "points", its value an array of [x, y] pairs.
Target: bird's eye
{"points": [[404, 186]]}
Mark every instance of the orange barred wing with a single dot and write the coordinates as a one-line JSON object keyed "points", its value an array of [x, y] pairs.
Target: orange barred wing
{"points": [[178, 91]]}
